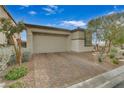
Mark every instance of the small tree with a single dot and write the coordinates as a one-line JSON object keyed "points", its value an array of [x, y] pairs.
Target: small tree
{"points": [[93, 26], [12, 33], [109, 29]]}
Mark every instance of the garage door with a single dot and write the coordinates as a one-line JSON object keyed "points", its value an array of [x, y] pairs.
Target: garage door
{"points": [[45, 43]]}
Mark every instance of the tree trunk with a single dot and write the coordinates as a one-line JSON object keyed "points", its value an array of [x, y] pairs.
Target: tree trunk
{"points": [[18, 52], [104, 48], [97, 47], [109, 47]]}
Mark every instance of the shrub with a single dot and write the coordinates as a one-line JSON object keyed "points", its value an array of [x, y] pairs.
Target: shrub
{"points": [[16, 73], [100, 57], [112, 56], [115, 61], [17, 85], [113, 53], [122, 54]]}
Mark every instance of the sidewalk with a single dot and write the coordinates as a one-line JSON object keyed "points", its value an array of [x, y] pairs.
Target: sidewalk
{"points": [[121, 85]]}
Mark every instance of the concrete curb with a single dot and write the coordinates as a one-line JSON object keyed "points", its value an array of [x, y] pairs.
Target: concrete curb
{"points": [[2, 85], [106, 80]]}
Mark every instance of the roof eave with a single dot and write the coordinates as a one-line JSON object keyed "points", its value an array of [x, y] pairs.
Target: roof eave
{"points": [[46, 27]]}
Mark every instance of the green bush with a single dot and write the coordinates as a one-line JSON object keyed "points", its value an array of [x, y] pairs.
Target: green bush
{"points": [[112, 53], [112, 56], [17, 85], [16, 73], [100, 57], [115, 61]]}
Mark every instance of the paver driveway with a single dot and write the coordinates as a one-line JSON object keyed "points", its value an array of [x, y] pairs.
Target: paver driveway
{"points": [[64, 69]]}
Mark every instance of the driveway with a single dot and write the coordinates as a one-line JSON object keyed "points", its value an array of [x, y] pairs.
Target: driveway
{"points": [[65, 69]]}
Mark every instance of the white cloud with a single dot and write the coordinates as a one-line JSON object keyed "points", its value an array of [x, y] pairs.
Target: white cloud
{"points": [[24, 6], [32, 12], [112, 12], [49, 24], [74, 23], [53, 6], [51, 9]]}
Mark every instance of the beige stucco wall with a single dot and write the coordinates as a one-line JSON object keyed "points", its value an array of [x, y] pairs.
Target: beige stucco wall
{"points": [[74, 45], [3, 39], [78, 46], [78, 42], [2, 36], [83, 48], [3, 14], [77, 35], [29, 40]]}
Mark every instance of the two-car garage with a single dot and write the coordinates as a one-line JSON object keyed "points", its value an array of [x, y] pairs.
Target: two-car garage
{"points": [[45, 43], [44, 39]]}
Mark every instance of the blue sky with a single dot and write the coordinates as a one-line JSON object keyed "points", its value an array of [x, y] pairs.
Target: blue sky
{"points": [[63, 16]]}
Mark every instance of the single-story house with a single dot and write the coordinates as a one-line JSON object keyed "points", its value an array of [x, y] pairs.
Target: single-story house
{"points": [[46, 39]]}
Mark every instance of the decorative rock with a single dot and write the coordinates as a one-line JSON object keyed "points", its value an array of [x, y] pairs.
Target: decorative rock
{"points": [[122, 60], [120, 54]]}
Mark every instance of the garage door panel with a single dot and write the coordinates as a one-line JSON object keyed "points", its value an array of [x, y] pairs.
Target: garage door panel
{"points": [[44, 43]]}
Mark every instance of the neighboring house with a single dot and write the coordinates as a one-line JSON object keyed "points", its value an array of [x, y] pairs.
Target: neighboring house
{"points": [[45, 39], [4, 14]]}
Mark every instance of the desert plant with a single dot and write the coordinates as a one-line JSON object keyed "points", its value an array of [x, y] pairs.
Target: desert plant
{"points": [[16, 73], [114, 61], [113, 53], [112, 56], [17, 85], [12, 33], [100, 58], [110, 30]]}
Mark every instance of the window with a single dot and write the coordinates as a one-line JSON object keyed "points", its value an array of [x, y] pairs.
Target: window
{"points": [[88, 38]]}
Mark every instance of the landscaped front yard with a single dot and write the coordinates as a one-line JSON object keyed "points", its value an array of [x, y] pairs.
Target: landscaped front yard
{"points": [[62, 69]]}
